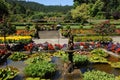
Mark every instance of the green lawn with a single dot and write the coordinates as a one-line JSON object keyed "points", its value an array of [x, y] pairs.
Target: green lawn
{"points": [[118, 26], [23, 27], [79, 27]]}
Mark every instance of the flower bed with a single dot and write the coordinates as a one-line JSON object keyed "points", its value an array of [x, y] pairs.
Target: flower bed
{"points": [[86, 32], [42, 69], [8, 73], [97, 75], [17, 56], [25, 32], [39, 65], [92, 38], [16, 39]]}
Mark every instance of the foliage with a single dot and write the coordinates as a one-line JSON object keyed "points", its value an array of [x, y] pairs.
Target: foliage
{"points": [[16, 18], [115, 64], [16, 39], [79, 2], [39, 69], [99, 52], [97, 59], [17, 56], [6, 28], [3, 9], [104, 28], [38, 58], [8, 73], [80, 13], [38, 16], [97, 7], [59, 53], [97, 56], [30, 78], [108, 9], [92, 38], [68, 17], [80, 59], [62, 54], [77, 58], [98, 75], [23, 6], [117, 78]]}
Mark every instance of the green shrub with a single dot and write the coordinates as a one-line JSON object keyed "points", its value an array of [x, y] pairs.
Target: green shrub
{"points": [[98, 75], [99, 52], [80, 59], [92, 38], [17, 56], [38, 58], [40, 69], [97, 59], [8, 73]]}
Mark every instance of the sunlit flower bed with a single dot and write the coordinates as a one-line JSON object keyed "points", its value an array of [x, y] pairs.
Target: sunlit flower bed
{"points": [[15, 39]]}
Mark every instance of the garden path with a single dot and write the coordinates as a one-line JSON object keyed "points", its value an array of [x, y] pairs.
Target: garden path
{"points": [[116, 39], [111, 53]]}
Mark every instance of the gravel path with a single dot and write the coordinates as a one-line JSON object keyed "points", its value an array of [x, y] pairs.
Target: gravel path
{"points": [[116, 39], [53, 41], [65, 41]]}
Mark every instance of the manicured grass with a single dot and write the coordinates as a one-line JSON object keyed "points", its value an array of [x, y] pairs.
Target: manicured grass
{"points": [[79, 27], [118, 26], [24, 27], [87, 27], [91, 38]]}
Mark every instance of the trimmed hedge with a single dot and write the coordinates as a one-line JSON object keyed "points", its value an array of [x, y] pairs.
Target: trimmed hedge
{"points": [[92, 38]]}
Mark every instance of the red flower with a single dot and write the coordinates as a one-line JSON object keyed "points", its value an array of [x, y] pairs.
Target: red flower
{"points": [[50, 47]]}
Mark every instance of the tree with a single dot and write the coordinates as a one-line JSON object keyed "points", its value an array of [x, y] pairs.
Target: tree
{"points": [[79, 2], [80, 13], [3, 9], [104, 28], [37, 31], [6, 28], [68, 17], [97, 7], [38, 15]]}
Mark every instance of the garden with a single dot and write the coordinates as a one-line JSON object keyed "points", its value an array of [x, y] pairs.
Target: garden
{"points": [[51, 65], [88, 25], [94, 57]]}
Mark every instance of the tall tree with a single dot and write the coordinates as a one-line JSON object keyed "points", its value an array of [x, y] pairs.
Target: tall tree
{"points": [[80, 13], [97, 7], [3, 9]]}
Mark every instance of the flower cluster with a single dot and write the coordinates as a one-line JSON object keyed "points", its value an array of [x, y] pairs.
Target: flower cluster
{"points": [[12, 39]]}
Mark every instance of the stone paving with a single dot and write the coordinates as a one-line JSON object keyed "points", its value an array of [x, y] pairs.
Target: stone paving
{"points": [[53, 41], [116, 39], [53, 37]]}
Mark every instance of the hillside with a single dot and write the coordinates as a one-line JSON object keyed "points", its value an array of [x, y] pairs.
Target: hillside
{"points": [[38, 7]]}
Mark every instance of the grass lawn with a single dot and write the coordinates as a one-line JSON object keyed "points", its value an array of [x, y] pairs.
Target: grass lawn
{"points": [[118, 26], [23, 27], [79, 27]]}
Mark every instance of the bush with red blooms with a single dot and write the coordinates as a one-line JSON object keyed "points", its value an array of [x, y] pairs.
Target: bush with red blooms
{"points": [[50, 46], [58, 46], [104, 28], [28, 47], [3, 49]]}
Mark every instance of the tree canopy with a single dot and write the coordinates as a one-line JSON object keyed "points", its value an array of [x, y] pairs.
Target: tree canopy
{"points": [[107, 8], [80, 13], [3, 9]]}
